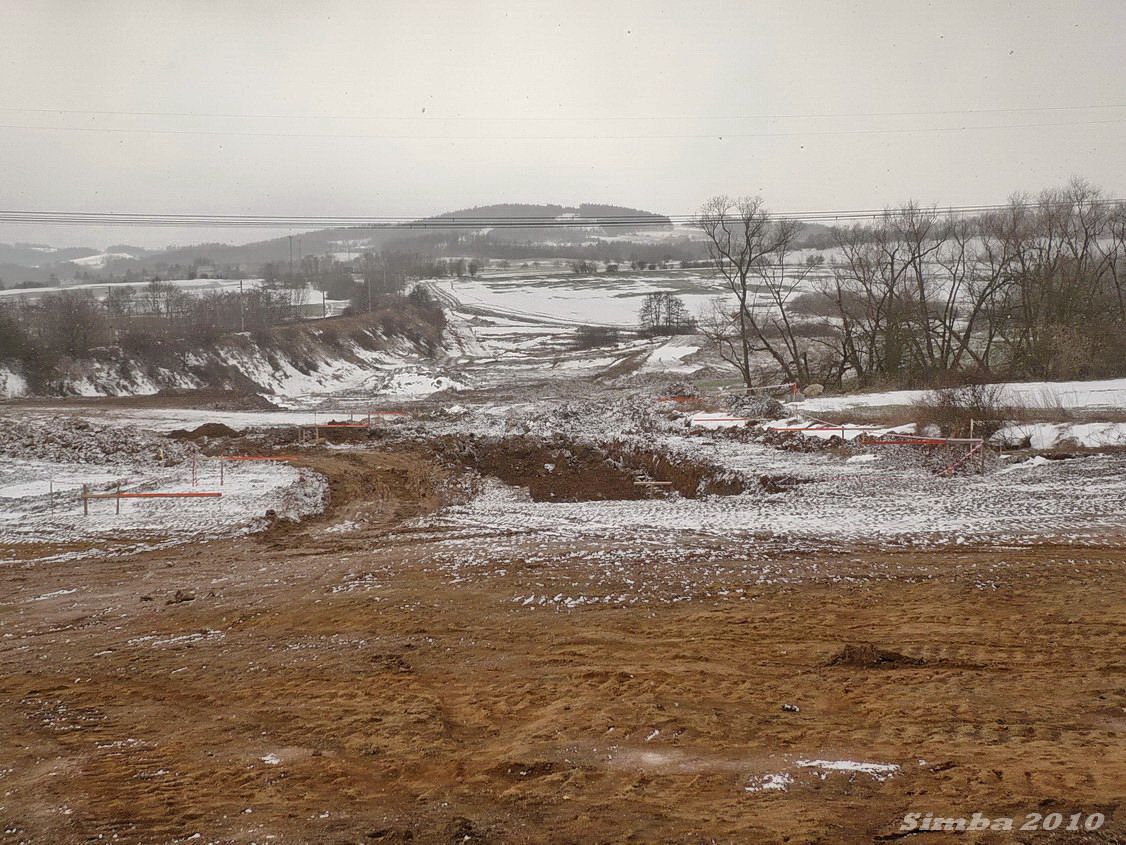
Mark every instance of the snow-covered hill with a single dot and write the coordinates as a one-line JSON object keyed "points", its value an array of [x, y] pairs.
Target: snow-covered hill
{"points": [[298, 364]]}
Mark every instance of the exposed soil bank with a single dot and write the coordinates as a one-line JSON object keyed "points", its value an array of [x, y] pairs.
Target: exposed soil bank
{"points": [[565, 471]]}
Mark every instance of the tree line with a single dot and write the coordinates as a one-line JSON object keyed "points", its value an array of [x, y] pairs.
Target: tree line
{"points": [[1035, 289], [41, 331]]}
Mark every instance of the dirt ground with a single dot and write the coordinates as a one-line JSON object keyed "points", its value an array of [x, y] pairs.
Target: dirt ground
{"points": [[321, 683]]}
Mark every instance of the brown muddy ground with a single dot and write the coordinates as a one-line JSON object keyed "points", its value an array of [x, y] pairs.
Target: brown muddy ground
{"points": [[321, 684]]}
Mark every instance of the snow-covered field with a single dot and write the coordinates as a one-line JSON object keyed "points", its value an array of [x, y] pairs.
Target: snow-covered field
{"points": [[602, 299], [47, 463], [1047, 395], [833, 497], [100, 289]]}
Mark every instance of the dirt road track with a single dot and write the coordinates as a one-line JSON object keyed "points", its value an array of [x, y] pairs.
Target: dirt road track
{"points": [[320, 685]]}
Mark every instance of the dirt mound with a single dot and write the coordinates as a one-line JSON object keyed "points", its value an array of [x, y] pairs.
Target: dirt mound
{"points": [[211, 429], [756, 407], [64, 439], [869, 656], [681, 388], [565, 471], [214, 400]]}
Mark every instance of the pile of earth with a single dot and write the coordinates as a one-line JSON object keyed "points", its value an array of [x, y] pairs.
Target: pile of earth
{"points": [[681, 388], [205, 430], [599, 420], [561, 470], [755, 407], [66, 439]]}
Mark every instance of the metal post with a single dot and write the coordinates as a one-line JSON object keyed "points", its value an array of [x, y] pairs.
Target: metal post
{"points": [[221, 467], [118, 498], [85, 502]]}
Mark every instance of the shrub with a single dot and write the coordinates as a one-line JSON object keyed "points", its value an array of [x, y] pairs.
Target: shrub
{"points": [[589, 337], [952, 409]]}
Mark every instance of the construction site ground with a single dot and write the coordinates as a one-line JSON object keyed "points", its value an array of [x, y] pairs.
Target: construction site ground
{"points": [[356, 677]]}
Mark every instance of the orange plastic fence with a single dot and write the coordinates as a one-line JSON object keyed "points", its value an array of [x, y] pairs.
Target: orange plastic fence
{"points": [[258, 457], [192, 495]]}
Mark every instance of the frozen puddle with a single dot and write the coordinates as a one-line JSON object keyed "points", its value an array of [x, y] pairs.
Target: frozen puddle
{"points": [[782, 781], [777, 782], [876, 771]]}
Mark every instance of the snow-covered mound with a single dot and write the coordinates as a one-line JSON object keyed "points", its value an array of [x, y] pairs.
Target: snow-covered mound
{"points": [[1050, 435], [72, 440]]}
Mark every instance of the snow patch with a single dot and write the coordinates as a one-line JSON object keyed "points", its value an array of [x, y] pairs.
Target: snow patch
{"points": [[1051, 435]]}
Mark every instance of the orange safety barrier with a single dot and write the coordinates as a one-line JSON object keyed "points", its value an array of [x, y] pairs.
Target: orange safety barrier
{"points": [[827, 428], [952, 467], [193, 495], [921, 441], [257, 457]]}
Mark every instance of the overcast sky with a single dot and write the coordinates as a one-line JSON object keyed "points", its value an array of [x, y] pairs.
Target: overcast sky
{"points": [[411, 108]]}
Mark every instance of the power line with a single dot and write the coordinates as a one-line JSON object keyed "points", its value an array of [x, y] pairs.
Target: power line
{"points": [[717, 136], [80, 218], [567, 118]]}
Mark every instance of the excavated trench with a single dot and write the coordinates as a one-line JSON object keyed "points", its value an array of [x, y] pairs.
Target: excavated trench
{"points": [[566, 471]]}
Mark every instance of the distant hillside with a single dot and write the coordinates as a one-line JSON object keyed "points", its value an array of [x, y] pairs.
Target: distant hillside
{"points": [[436, 239], [653, 236], [518, 211], [41, 255]]}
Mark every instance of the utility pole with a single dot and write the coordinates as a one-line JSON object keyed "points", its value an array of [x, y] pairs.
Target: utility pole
{"points": [[290, 257], [241, 309]]}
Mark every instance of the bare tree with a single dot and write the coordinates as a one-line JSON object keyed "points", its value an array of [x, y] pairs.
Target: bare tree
{"points": [[748, 250], [664, 313]]}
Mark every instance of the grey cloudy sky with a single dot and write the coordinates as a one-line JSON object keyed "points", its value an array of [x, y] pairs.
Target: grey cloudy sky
{"points": [[414, 107]]}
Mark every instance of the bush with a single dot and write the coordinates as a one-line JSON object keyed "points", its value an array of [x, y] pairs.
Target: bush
{"points": [[589, 337], [952, 408]]}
